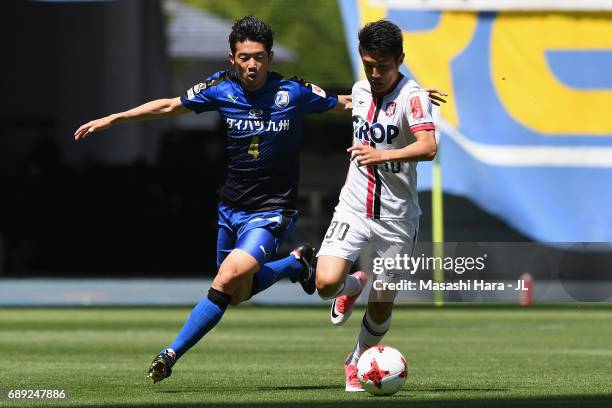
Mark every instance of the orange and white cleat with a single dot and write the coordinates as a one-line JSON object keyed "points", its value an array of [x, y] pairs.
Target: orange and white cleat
{"points": [[342, 307], [350, 375]]}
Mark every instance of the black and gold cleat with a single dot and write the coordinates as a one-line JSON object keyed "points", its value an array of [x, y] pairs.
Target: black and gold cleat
{"points": [[306, 255], [161, 366]]}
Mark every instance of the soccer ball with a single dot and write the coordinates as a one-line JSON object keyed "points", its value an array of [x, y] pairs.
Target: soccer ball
{"points": [[382, 370]]}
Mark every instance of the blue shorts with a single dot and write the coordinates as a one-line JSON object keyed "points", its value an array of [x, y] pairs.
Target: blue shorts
{"points": [[258, 233]]}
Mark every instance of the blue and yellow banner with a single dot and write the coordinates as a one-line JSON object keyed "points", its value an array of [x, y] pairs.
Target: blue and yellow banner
{"points": [[527, 132]]}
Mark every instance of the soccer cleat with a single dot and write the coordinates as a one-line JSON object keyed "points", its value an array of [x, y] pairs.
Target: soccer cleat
{"points": [[161, 366], [306, 255], [342, 307], [350, 376]]}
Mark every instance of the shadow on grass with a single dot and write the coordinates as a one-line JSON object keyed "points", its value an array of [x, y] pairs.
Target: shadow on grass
{"points": [[299, 387], [191, 390], [331, 387], [582, 401], [447, 389], [279, 388]]}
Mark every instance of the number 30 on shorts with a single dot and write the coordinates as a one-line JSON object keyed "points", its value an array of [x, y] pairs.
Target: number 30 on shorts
{"points": [[342, 229]]}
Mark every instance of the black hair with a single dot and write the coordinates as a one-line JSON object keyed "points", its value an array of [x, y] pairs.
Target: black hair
{"points": [[252, 29], [381, 37]]}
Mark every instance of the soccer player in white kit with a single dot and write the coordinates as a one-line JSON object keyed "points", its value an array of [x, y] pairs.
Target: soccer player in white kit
{"points": [[393, 129]]}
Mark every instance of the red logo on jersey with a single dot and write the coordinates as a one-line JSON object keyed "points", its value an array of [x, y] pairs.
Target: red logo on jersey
{"points": [[390, 109], [415, 107]]}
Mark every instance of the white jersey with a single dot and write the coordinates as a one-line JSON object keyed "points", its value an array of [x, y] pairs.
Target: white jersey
{"points": [[388, 190]]}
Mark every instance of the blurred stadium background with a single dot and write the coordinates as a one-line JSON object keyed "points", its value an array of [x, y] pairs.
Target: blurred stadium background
{"points": [[128, 217], [525, 140]]}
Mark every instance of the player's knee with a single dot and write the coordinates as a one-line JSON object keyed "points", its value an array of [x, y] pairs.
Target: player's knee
{"points": [[327, 285], [229, 276], [232, 286]]}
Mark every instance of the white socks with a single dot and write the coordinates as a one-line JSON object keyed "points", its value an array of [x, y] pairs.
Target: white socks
{"points": [[370, 335], [351, 287]]}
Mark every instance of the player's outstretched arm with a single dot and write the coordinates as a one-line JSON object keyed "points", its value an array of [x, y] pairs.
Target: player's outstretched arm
{"points": [[157, 109], [424, 149], [345, 102]]}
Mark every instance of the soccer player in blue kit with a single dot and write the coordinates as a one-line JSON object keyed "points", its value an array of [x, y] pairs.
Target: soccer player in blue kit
{"points": [[263, 113]]}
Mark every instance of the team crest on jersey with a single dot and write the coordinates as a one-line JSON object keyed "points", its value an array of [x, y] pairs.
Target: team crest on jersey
{"points": [[281, 99], [390, 109]]}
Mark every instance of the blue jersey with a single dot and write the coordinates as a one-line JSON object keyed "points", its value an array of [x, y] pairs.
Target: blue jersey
{"points": [[263, 131]]}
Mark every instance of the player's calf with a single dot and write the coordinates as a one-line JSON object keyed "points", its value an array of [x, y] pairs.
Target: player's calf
{"points": [[379, 311]]}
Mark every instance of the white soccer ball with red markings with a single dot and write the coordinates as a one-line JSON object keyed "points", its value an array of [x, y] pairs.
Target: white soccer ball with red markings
{"points": [[382, 370]]}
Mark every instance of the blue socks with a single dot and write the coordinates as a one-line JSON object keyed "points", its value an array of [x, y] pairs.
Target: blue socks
{"points": [[272, 272], [209, 311], [203, 318]]}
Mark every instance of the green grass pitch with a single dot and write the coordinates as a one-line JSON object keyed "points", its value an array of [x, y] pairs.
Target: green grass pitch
{"points": [[283, 357]]}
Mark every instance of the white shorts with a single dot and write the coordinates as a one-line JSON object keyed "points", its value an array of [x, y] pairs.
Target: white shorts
{"points": [[351, 234]]}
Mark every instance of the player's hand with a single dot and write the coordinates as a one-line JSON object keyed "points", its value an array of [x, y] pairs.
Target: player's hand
{"points": [[345, 102], [93, 126], [365, 154], [436, 96]]}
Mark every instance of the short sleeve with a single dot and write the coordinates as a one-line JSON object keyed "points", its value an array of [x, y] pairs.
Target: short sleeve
{"points": [[419, 111], [313, 98], [200, 98]]}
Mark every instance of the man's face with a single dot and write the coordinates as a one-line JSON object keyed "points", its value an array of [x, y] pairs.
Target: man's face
{"points": [[382, 71], [251, 61]]}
